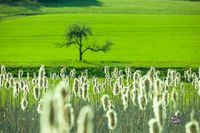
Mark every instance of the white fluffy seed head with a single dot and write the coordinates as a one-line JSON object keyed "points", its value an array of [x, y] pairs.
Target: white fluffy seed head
{"points": [[112, 119], [36, 92], [68, 117], [142, 100], [174, 97], [3, 70], [154, 126], [85, 120], [76, 86], [24, 103], [49, 117], [105, 101], [192, 127]]}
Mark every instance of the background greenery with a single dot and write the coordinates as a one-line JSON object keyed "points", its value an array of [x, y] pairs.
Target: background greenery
{"points": [[161, 33]]}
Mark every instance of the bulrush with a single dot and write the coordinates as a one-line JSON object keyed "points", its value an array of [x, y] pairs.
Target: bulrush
{"points": [[24, 103], [134, 96], [116, 88], [158, 111], [45, 82], [68, 116], [16, 89], [193, 125], [49, 118], [76, 86], [63, 92], [125, 100], [106, 71], [7, 84], [174, 97], [36, 92], [20, 74], [154, 126], [142, 100], [96, 88], [105, 101], [147, 84], [3, 70], [62, 72], [85, 120], [39, 107], [85, 93], [112, 119], [165, 97]]}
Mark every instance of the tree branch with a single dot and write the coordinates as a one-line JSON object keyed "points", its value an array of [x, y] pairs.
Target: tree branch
{"points": [[106, 47]]}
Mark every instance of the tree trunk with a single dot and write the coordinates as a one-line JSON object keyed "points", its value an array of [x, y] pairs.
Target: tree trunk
{"points": [[80, 53]]}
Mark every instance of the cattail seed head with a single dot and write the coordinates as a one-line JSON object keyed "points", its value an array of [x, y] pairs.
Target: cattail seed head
{"points": [[193, 125], [49, 116], [68, 117], [142, 100], [24, 103], [112, 119], [85, 120], [36, 92], [3, 70], [105, 101], [154, 126]]}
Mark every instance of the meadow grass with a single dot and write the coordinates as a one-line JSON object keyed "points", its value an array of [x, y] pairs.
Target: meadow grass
{"points": [[106, 6], [140, 40]]}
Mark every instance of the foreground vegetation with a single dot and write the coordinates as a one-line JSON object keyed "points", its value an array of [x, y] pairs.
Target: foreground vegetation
{"points": [[136, 98]]}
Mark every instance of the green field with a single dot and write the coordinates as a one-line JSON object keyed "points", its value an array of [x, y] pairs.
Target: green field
{"points": [[145, 33]]}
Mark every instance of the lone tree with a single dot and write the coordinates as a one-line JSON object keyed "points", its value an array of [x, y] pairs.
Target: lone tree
{"points": [[75, 35]]}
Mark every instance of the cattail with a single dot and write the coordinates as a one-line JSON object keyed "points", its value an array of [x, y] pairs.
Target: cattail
{"points": [[20, 74], [96, 89], [45, 82], [68, 117], [85, 120], [76, 86], [7, 84], [22, 83], [174, 97], [106, 71], [147, 84], [62, 72], [49, 116], [63, 92], [26, 89], [72, 73], [134, 96], [154, 126], [41, 73], [158, 111], [16, 89], [111, 106], [116, 89], [165, 98], [3, 70], [112, 119], [193, 125], [105, 101], [125, 101], [85, 88], [40, 82], [24, 103], [36, 92], [142, 100], [39, 107], [27, 75]]}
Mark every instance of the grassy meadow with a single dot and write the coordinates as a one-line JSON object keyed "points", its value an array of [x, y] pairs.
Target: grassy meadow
{"points": [[151, 40]]}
